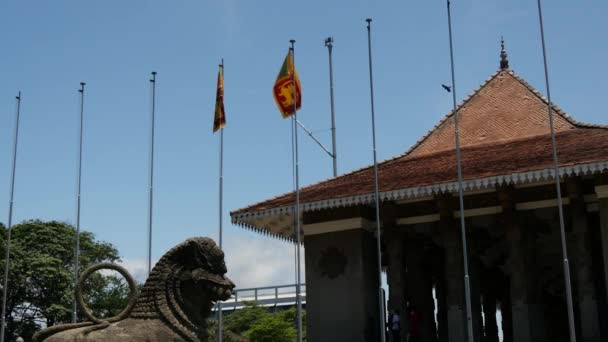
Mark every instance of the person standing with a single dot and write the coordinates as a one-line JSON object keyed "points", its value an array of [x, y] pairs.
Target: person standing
{"points": [[415, 324], [394, 325]]}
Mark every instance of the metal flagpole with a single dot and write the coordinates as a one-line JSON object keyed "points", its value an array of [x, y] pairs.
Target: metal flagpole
{"points": [[329, 42], [297, 212], [376, 196], [293, 174], [463, 231], [295, 219], [10, 220], [219, 302], [151, 187], [557, 185], [77, 244]]}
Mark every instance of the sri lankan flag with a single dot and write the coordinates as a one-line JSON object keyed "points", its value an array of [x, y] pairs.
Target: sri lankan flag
{"points": [[219, 120], [283, 91]]}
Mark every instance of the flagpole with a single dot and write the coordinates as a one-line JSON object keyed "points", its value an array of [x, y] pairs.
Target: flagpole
{"points": [[329, 42], [376, 195], [556, 176], [151, 180], [463, 231], [297, 212], [219, 302], [10, 220], [293, 175], [77, 244]]}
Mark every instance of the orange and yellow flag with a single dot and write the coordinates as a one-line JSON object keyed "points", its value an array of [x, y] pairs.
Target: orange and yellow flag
{"points": [[219, 120], [283, 91]]}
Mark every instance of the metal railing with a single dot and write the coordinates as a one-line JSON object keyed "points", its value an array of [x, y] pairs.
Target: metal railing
{"points": [[269, 296]]}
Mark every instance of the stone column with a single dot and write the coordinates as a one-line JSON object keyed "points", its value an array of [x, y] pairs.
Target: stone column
{"points": [[526, 308], [602, 196], [489, 311], [454, 273], [579, 248], [492, 284], [442, 313], [342, 286], [475, 273], [506, 314], [395, 277], [420, 288]]}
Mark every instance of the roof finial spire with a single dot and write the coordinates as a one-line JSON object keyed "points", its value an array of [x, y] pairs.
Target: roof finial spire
{"points": [[504, 62]]}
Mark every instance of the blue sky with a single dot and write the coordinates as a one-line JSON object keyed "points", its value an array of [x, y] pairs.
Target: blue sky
{"points": [[48, 47]]}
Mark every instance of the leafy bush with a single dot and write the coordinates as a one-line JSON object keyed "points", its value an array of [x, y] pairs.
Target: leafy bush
{"points": [[243, 319], [271, 328], [257, 324]]}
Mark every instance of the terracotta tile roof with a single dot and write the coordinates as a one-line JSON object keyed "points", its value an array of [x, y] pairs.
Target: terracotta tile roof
{"points": [[504, 134], [576, 146], [505, 107]]}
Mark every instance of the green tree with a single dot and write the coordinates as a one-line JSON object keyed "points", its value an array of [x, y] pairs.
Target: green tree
{"points": [[290, 317], [271, 328], [106, 294], [228, 336], [243, 319], [257, 324], [41, 275]]}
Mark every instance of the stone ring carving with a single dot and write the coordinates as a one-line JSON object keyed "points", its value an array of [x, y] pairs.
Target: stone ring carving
{"points": [[132, 292]]}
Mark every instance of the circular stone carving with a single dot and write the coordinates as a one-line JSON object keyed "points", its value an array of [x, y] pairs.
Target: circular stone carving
{"points": [[332, 262], [132, 291]]}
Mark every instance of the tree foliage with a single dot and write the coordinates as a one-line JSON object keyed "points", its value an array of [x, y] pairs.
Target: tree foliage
{"points": [[40, 287], [106, 294], [242, 320], [271, 328], [257, 324]]}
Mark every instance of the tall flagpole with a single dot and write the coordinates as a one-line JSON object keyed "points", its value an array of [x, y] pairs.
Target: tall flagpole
{"points": [[10, 220], [463, 230], [79, 181], [294, 126], [556, 176], [219, 302], [376, 195], [297, 212], [151, 180], [329, 42]]}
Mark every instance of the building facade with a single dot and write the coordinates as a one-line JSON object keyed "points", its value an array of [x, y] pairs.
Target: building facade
{"points": [[511, 215]]}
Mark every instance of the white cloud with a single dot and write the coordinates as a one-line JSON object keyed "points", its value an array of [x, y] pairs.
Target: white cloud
{"points": [[137, 267], [255, 262], [251, 262]]}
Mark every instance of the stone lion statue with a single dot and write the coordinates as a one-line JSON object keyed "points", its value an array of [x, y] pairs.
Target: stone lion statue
{"points": [[173, 305]]}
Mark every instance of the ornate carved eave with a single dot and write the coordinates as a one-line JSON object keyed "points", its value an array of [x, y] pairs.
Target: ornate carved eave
{"points": [[278, 222]]}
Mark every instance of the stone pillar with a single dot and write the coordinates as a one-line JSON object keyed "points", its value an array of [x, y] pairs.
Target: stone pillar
{"points": [[395, 277], [526, 306], [342, 286], [602, 196], [442, 312], [420, 288], [474, 274], [580, 266], [454, 273], [506, 314], [489, 311], [491, 286]]}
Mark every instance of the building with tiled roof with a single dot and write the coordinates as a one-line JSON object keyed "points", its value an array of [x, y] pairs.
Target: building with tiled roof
{"points": [[512, 226]]}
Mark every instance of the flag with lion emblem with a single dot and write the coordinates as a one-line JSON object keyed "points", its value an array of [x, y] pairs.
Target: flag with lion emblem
{"points": [[283, 91]]}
